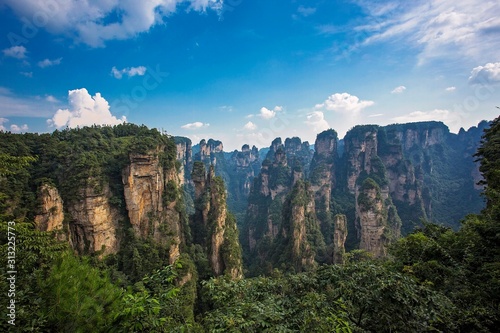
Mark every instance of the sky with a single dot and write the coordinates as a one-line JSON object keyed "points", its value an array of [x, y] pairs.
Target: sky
{"points": [[247, 71]]}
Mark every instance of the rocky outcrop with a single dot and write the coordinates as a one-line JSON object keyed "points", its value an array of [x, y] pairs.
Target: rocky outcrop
{"points": [[299, 154], [372, 216], [184, 157], [361, 150], [93, 221], [215, 228], [243, 166], [267, 196], [322, 178], [50, 216], [378, 223], [299, 234], [339, 238], [151, 195], [208, 152]]}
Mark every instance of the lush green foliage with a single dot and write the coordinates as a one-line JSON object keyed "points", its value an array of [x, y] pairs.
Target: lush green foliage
{"points": [[436, 279], [277, 304]]}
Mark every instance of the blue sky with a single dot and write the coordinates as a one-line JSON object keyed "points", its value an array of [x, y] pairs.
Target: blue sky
{"points": [[247, 71]]}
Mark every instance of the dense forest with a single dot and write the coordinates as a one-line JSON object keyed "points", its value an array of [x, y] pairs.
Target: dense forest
{"points": [[114, 233]]}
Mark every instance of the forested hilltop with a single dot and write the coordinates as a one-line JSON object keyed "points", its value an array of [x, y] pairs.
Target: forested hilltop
{"points": [[125, 229]]}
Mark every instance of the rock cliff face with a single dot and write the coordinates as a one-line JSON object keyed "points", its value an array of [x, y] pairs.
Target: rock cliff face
{"points": [[267, 196], [151, 196], [371, 218], [374, 152], [241, 169], [93, 221], [184, 157], [442, 165], [216, 229], [323, 178], [299, 238], [208, 152], [50, 215], [418, 170], [339, 238]]}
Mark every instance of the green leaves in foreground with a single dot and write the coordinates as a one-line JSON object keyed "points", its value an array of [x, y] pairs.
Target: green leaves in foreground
{"points": [[283, 304], [356, 297]]}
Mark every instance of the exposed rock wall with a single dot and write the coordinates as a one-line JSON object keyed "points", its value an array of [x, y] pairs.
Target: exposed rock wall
{"points": [[339, 238], [217, 231], [299, 234], [208, 152], [151, 197], [372, 216], [50, 215], [323, 178], [93, 220], [243, 166], [184, 157]]}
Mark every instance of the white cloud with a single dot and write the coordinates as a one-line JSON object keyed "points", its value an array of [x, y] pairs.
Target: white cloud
{"points": [[27, 74], [450, 89], [129, 71], [489, 73], [344, 102], [375, 115], [15, 106], [84, 110], [18, 129], [306, 11], [398, 90], [438, 29], [265, 113], [13, 128], [328, 29], [250, 126], [226, 108], [316, 120], [2, 121], [51, 99], [18, 52], [452, 119], [95, 22], [195, 125], [47, 62]]}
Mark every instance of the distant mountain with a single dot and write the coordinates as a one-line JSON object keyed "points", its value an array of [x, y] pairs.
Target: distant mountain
{"points": [[295, 204]]}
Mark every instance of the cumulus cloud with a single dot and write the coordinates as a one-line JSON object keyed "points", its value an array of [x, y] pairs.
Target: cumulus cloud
{"points": [[95, 22], [452, 119], [18, 129], [316, 120], [47, 62], [129, 71], [451, 89], [265, 113], [195, 125], [84, 110], [437, 29], [344, 102], [250, 126], [18, 52], [398, 90], [13, 128], [489, 73]]}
